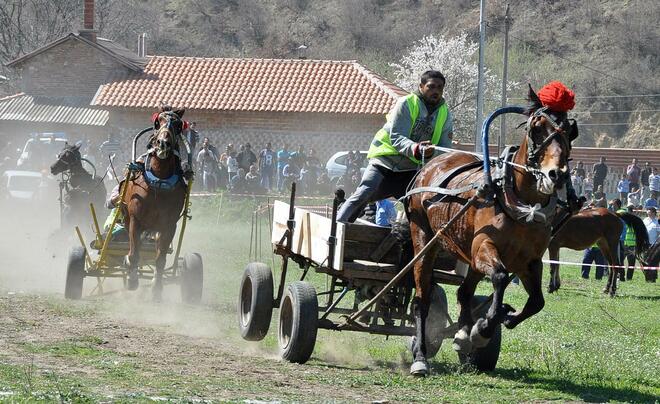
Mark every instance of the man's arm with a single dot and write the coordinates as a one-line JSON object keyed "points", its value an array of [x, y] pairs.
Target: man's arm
{"points": [[401, 125]]}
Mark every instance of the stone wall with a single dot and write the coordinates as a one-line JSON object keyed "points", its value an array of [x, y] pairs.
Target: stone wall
{"points": [[72, 70]]}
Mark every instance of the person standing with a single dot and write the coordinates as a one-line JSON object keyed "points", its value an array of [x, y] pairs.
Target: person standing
{"points": [[588, 186], [246, 157], [593, 254], [193, 138], [623, 187], [600, 173], [416, 123], [207, 163], [634, 172], [644, 180], [282, 160], [654, 183], [653, 228], [579, 170], [267, 165]]}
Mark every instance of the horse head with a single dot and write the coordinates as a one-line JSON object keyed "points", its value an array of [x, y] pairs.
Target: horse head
{"points": [[69, 158], [170, 128], [548, 144]]}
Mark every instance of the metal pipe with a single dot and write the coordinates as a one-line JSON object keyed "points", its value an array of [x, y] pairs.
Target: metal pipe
{"points": [[484, 137], [135, 139]]}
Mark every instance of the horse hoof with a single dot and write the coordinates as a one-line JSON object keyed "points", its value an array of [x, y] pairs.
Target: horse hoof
{"points": [[510, 322], [462, 342], [478, 340], [420, 368]]}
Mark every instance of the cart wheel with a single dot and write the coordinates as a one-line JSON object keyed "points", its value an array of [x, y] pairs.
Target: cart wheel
{"points": [[255, 303], [435, 328], [298, 322], [75, 274], [192, 278], [484, 359]]}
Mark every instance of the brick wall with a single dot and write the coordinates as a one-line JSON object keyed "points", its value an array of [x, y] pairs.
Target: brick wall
{"points": [[326, 133], [71, 70]]}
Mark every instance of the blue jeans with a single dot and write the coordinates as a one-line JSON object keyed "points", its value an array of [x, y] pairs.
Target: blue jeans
{"points": [[590, 255], [377, 183]]}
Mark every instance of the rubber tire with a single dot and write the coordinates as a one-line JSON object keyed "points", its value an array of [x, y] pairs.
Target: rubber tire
{"points": [[484, 359], [75, 274], [255, 301], [436, 315], [192, 278], [298, 323]]}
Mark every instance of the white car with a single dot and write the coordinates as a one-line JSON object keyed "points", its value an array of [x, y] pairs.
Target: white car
{"points": [[22, 186], [336, 165], [41, 151]]}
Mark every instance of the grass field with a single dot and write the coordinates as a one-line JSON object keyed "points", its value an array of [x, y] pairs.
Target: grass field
{"points": [[583, 346]]}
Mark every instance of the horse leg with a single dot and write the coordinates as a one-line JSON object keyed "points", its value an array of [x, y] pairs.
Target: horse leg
{"points": [[162, 244], [464, 295], [131, 260], [531, 280], [555, 282], [612, 257], [423, 274], [487, 261]]}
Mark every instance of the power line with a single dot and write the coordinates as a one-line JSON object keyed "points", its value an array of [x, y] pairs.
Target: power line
{"points": [[602, 96], [616, 112], [572, 61], [605, 124]]}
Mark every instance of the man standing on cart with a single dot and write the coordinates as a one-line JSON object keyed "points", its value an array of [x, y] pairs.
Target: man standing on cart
{"points": [[416, 123]]}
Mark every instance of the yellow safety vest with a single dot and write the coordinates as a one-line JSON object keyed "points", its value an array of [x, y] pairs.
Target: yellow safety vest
{"points": [[382, 145], [630, 239]]}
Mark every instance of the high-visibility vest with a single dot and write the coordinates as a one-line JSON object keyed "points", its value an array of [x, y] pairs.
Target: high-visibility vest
{"points": [[630, 239], [382, 145]]}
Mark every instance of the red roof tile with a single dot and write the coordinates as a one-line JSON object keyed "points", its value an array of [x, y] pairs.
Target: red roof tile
{"points": [[285, 85]]}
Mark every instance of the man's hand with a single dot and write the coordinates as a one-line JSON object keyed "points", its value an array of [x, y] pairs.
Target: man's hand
{"points": [[423, 148]]}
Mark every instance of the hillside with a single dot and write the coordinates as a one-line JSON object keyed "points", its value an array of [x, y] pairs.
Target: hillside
{"points": [[600, 48]]}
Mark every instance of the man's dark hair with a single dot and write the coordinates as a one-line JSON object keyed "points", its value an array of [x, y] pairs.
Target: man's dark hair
{"points": [[432, 74]]}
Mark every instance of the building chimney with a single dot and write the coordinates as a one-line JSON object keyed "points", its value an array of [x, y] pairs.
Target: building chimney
{"points": [[142, 45], [88, 32]]}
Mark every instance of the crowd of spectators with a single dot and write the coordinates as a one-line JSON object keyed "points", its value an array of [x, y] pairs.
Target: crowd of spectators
{"points": [[638, 187]]}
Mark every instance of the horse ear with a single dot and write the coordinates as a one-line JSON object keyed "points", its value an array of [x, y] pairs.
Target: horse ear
{"points": [[574, 130], [180, 112], [533, 97]]}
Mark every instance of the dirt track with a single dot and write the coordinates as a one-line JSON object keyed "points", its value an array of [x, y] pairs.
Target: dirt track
{"points": [[45, 332]]}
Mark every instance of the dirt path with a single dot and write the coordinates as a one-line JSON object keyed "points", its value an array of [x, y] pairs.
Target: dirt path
{"points": [[78, 340]]}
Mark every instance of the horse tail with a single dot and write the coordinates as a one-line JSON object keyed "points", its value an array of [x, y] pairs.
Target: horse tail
{"points": [[641, 235], [653, 256]]}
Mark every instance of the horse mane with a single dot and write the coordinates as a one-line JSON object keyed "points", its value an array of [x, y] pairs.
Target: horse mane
{"points": [[641, 235]]}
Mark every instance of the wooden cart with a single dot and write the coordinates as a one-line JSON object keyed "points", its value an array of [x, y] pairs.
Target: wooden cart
{"points": [[365, 260]]}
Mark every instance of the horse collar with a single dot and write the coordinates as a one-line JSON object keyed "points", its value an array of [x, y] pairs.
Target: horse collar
{"points": [[161, 184]]}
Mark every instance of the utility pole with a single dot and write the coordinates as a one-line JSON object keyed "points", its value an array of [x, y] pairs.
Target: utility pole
{"points": [[480, 80], [501, 139]]}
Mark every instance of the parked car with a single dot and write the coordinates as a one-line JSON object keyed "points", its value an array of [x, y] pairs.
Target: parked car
{"points": [[41, 150], [336, 165], [22, 186]]}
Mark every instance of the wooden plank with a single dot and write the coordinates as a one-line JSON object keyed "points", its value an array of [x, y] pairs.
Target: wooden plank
{"points": [[310, 235], [366, 233]]}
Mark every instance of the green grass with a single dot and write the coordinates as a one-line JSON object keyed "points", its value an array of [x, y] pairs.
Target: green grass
{"points": [[583, 346]]}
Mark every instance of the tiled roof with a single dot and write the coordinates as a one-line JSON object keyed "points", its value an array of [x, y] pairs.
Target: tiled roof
{"points": [[25, 108], [284, 85]]}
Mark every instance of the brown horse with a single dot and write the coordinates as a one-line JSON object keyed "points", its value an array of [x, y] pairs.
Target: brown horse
{"points": [[154, 199], [596, 225], [495, 236]]}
